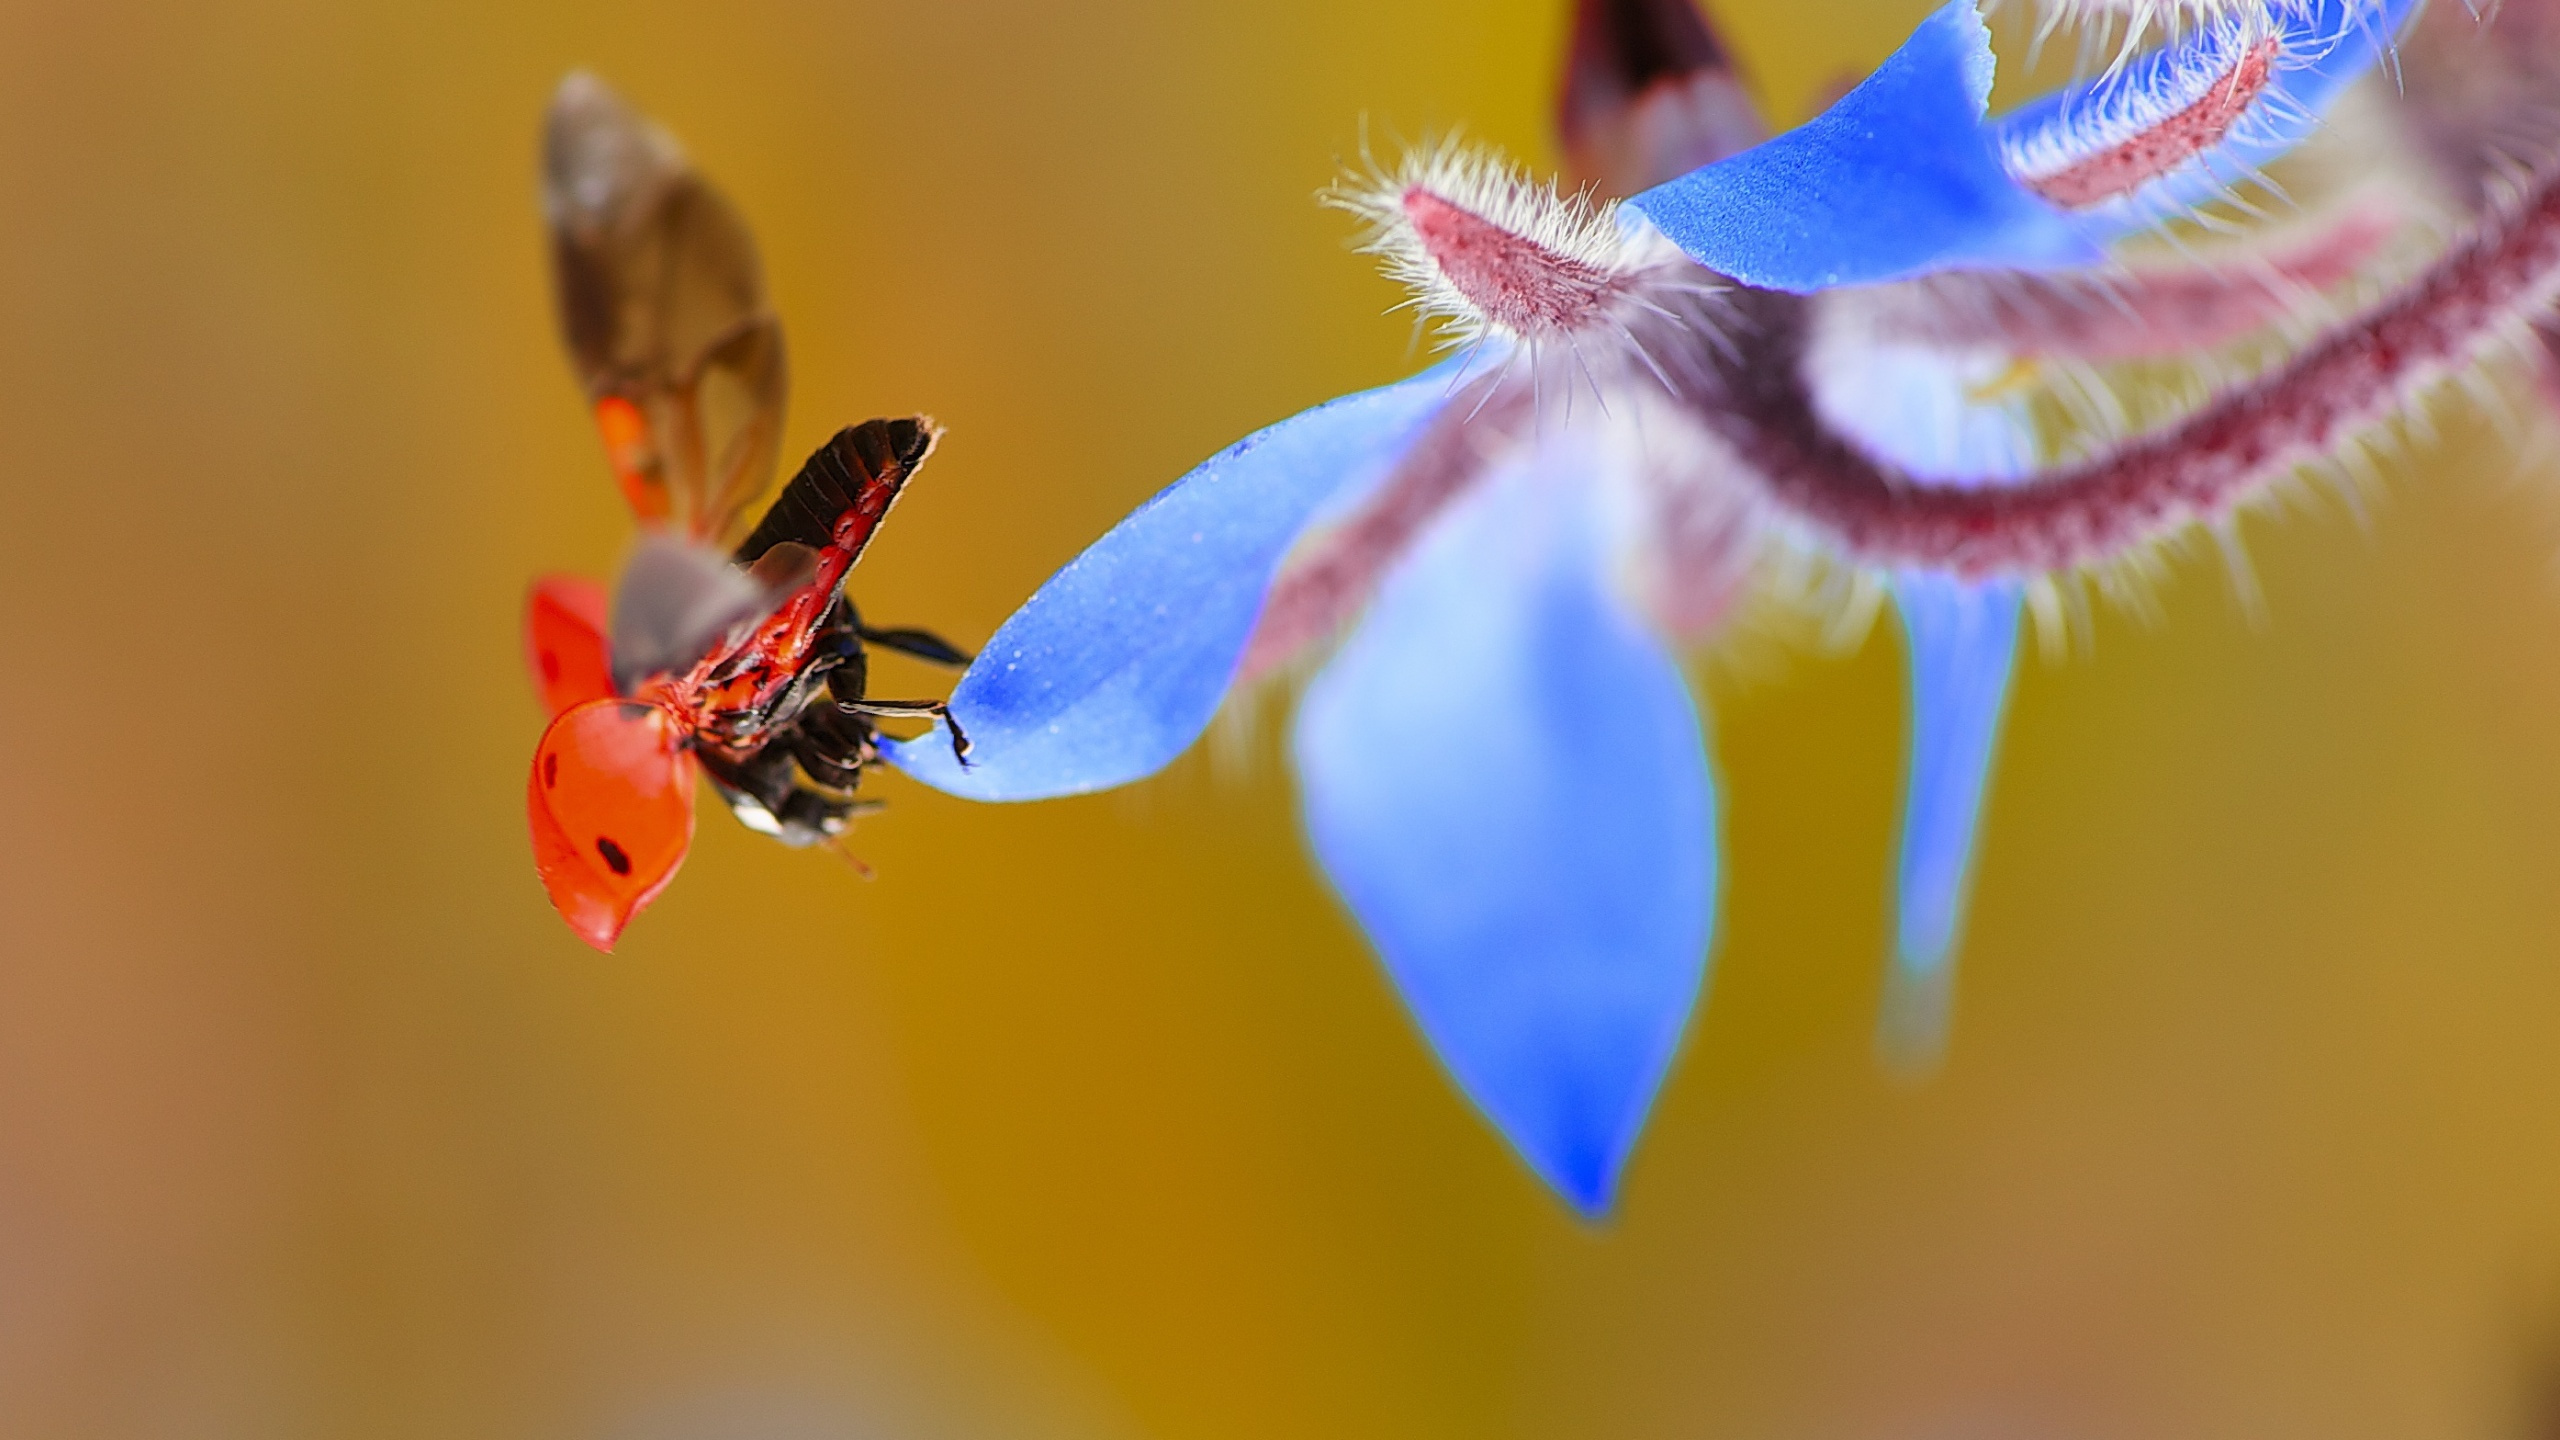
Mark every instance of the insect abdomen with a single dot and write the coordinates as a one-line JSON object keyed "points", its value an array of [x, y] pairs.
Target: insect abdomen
{"points": [[854, 476]]}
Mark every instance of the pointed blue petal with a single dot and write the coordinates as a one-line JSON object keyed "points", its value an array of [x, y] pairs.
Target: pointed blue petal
{"points": [[2323, 46], [1963, 644], [1901, 178], [1918, 408], [1117, 664], [1504, 777]]}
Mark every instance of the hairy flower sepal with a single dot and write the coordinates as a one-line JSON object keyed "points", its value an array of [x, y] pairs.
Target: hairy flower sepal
{"points": [[2155, 134], [1495, 256]]}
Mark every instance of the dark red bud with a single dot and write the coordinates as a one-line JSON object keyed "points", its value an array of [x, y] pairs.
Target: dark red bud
{"points": [[1649, 93]]}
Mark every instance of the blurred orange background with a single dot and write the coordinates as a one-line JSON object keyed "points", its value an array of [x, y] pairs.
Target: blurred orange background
{"points": [[1094, 1119]]}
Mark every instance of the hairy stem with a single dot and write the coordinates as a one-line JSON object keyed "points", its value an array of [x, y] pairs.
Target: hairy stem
{"points": [[2145, 489], [2134, 314]]}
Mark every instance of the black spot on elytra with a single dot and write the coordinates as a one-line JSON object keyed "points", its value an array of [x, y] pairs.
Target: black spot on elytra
{"points": [[550, 769], [613, 855]]}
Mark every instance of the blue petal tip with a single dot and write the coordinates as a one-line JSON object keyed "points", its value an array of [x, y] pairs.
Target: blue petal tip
{"points": [[1963, 642], [1505, 779]]}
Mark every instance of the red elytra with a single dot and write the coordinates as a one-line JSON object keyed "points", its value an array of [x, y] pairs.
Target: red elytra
{"points": [[564, 638], [611, 805]]}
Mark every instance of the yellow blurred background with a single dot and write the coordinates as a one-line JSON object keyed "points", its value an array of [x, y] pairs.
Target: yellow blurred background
{"points": [[1094, 1119]]}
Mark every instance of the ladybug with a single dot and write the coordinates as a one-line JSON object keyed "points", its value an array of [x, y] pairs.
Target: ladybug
{"points": [[745, 664]]}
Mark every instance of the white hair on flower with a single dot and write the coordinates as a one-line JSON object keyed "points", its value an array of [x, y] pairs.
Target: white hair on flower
{"points": [[2228, 67], [2120, 29], [2141, 16], [1499, 259], [2130, 24], [1489, 251]]}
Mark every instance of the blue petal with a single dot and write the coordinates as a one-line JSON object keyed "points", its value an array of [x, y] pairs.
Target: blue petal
{"points": [[1918, 408], [1900, 178], [2323, 47], [1963, 644], [1503, 775], [1117, 664]]}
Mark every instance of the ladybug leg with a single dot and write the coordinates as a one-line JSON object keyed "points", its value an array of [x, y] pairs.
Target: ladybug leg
{"points": [[913, 710], [793, 702], [832, 747], [809, 818], [765, 794], [922, 644], [757, 789], [847, 678], [906, 640]]}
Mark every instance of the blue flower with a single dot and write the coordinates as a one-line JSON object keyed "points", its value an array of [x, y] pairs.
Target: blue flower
{"points": [[1794, 355]]}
